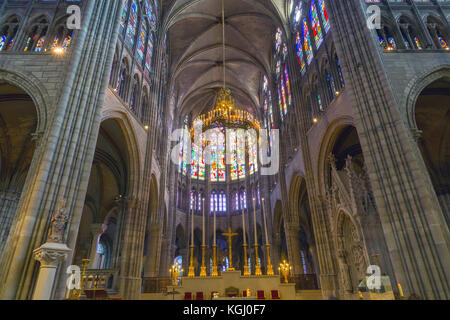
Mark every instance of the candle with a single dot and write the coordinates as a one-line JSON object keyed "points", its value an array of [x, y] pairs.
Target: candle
{"points": [[254, 221], [192, 228], [243, 225], [400, 290], [214, 208], [265, 223], [203, 227]]}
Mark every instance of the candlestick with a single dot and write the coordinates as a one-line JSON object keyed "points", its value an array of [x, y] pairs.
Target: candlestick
{"points": [[243, 226], [214, 272], [254, 221], [215, 238], [191, 272], [265, 223], [203, 221], [258, 271], [400, 289], [203, 267], [192, 228]]}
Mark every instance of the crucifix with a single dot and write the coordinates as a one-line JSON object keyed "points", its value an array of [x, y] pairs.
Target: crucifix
{"points": [[230, 235]]}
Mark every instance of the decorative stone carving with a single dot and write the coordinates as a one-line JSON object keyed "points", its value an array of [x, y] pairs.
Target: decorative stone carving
{"points": [[60, 217], [51, 254]]}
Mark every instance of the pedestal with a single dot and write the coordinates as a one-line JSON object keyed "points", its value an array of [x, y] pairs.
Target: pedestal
{"points": [[203, 267], [50, 255], [246, 268], [258, 271], [269, 262], [191, 272], [214, 272]]}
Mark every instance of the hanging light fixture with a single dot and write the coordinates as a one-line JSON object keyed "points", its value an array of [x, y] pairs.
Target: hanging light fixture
{"points": [[225, 113]]}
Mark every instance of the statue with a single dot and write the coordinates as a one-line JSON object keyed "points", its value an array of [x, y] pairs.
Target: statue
{"points": [[60, 217]]}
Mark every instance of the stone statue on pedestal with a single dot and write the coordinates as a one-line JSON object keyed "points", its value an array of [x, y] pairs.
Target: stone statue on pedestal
{"points": [[60, 217]]}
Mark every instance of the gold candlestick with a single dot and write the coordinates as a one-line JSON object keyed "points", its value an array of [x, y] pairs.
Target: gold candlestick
{"points": [[214, 272], [191, 272], [258, 271], [285, 270], [203, 267], [269, 262], [246, 267]]}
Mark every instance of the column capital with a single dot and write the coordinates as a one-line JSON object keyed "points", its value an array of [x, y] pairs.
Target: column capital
{"points": [[51, 254]]}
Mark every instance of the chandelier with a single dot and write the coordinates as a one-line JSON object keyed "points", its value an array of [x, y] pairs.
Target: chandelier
{"points": [[225, 113]]}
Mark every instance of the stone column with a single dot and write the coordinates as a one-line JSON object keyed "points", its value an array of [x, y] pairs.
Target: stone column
{"points": [[151, 263], [96, 231], [292, 241], [50, 255]]}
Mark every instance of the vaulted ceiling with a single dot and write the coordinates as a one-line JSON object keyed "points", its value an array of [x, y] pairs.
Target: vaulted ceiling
{"points": [[195, 43]]}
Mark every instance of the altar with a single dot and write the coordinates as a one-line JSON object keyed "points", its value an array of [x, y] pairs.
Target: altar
{"points": [[233, 280]]}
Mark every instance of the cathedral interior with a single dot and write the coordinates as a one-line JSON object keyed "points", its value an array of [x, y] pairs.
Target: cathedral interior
{"points": [[251, 149]]}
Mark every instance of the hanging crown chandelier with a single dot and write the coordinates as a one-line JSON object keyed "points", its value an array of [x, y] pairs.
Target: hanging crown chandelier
{"points": [[225, 113]]}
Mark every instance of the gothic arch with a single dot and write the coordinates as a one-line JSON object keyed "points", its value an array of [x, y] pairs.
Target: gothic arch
{"points": [[135, 154], [35, 90], [328, 140], [417, 85]]}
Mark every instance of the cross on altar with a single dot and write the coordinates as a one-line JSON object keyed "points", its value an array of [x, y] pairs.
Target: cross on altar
{"points": [[230, 235]]}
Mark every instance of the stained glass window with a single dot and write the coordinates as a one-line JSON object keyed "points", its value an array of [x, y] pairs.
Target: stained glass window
{"points": [[315, 24], [298, 13], [301, 60], [192, 202], [2, 42], [141, 41], [185, 151], [217, 150], [243, 202], [214, 203], [278, 40], [240, 145], [198, 160], [149, 53], [283, 102], [123, 19], [130, 37], [40, 44], [307, 42], [324, 14], [252, 142], [268, 121]]}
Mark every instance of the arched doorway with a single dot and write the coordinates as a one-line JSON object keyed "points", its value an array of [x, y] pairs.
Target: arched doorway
{"points": [[280, 245], [307, 241], [150, 241], [433, 120], [102, 221], [18, 124]]}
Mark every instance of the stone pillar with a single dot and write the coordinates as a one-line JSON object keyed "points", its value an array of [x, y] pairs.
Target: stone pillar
{"points": [[292, 241], [96, 231], [151, 264], [50, 255]]}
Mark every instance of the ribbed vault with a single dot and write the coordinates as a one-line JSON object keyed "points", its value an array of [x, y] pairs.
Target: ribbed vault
{"points": [[194, 30]]}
